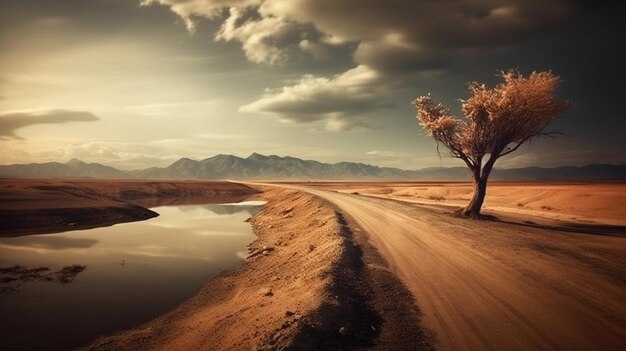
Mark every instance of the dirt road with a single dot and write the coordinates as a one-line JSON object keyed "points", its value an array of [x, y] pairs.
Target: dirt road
{"points": [[495, 286]]}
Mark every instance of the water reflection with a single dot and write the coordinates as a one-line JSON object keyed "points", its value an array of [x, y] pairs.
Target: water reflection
{"points": [[48, 242], [136, 272]]}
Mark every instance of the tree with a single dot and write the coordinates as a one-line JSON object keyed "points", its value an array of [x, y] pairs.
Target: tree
{"points": [[497, 122]]}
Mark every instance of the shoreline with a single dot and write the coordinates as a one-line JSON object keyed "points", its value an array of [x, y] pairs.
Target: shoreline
{"points": [[51, 206], [313, 280], [319, 289]]}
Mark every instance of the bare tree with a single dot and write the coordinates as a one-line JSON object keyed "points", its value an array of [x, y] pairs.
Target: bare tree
{"points": [[497, 122]]}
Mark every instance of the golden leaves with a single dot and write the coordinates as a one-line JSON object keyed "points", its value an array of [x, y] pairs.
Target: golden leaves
{"points": [[497, 120]]}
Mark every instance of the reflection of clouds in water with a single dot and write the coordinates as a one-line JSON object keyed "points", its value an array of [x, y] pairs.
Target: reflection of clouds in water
{"points": [[182, 216], [164, 254], [188, 216], [246, 203], [247, 207], [49, 242], [208, 233], [219, 231], [232, 209]]}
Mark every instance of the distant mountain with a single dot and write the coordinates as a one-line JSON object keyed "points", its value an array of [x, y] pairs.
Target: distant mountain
{"points": [[257, 166], [74, 168]]}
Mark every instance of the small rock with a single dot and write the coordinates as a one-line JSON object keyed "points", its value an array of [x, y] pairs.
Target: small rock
{"points": [[276, 336], [288, 209], [267, 292], [311, 247], [248, 220], [270, 226], [343, 330], [289, 314]]}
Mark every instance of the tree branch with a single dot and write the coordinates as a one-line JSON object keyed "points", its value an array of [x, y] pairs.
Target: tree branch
{"points": [[489, 165], [515, 147]]}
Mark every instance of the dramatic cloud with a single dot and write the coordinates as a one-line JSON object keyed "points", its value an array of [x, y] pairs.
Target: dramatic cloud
{"points": [[335, 100], [423, 28], [13, 120], [210, 9], [411, 37], [258, 37], [418, 30]]}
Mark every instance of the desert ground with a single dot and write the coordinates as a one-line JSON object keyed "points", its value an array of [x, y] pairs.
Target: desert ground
{"points": [[502, 285], [349, 265], [592, 203]]}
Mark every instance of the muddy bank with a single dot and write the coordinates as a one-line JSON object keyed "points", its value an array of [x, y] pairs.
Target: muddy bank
{"points": [[52, 206], [308, 284]]}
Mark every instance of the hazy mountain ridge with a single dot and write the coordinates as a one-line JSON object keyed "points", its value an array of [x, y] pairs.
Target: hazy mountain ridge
{"points": [[70, 169], [257, 166]]}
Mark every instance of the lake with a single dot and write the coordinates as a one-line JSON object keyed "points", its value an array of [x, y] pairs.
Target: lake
{"points": [[135, 272]]}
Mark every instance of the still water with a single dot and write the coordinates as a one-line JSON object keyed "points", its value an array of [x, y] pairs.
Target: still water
{"points": [[135, 272]]}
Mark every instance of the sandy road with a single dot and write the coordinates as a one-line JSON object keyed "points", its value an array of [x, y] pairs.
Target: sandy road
{"points": [[494, 286]]}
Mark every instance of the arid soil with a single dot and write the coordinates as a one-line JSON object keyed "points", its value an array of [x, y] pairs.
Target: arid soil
{"points": [[592, 203], [307, 285], [52, 206], [385, 266], [492, 285]]}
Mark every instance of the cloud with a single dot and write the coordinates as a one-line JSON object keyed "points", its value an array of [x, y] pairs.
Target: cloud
{"points": [[317, 50], [210, 9], [340, 101], [391, 40], [416, 35], [420, 32], [381, 153], [259, 37], [10, 121]]}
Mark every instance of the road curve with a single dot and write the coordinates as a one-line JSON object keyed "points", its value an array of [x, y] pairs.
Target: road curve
{"points": [[493, 286]]}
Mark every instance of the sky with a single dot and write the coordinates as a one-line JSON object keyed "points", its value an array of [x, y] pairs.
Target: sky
{"points": [[141, 83]]}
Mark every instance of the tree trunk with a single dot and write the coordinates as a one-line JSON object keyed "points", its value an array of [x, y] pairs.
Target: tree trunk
{"points": [[476, 203], [480, 186]]}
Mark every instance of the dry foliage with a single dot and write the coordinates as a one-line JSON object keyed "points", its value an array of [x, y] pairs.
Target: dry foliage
{"points": [[496, 121]]}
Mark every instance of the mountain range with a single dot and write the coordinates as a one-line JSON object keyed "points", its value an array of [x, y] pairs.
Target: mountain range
{"points": [[257, 166]]}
